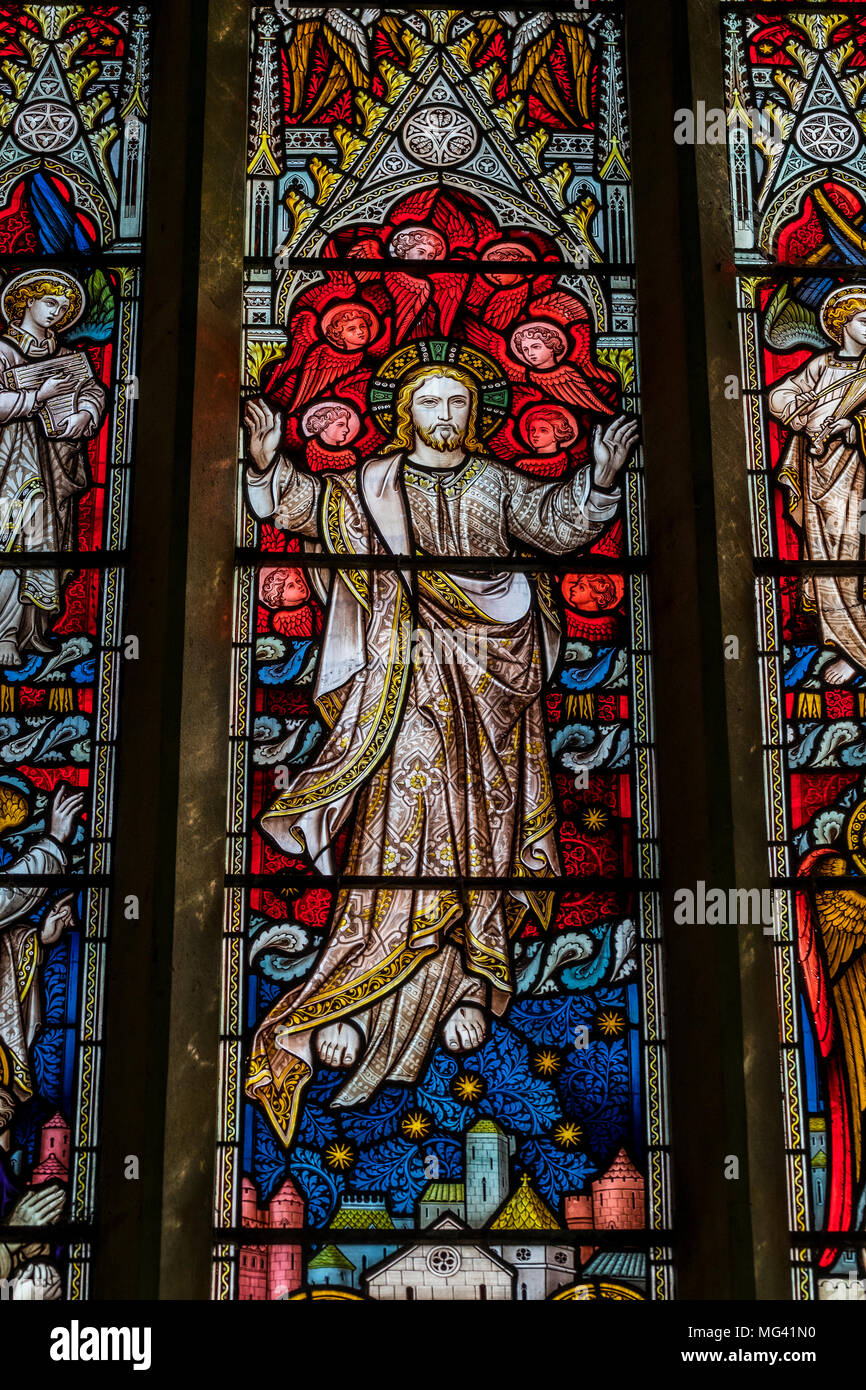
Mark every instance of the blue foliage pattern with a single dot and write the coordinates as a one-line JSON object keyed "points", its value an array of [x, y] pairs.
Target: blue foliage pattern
{"points": [[372, 1149]]}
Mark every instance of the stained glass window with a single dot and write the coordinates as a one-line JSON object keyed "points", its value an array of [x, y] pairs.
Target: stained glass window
{"points": [[73, 143], [798, 179], [443, 1042]]}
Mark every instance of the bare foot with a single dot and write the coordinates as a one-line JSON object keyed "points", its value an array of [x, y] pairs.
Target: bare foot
{"points": [[338, 1044], [465, 1029], [9, 654], [838, 672]]}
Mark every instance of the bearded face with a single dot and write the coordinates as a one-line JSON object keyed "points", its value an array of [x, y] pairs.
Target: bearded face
{"points": [[445, 438], [440, 413]]}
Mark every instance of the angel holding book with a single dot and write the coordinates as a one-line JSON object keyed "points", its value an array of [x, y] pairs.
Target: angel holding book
{"points": [[50, 403]]}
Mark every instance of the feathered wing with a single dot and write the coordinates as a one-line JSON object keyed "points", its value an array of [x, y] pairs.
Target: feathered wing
{"points": [[98, 324], [411, 295], [831, 935], [448, 290], [505, 305], [577, 47], [565, 307], [304, 334], [323, 366], [299, 53], [568, 385], [532, 41], [494, 343]]}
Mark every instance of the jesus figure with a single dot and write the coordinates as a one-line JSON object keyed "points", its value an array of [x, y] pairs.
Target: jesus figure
{"points": [[438, 756]]}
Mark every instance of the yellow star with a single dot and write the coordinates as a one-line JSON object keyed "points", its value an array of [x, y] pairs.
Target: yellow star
{"points": [[568, 1135], [415, 1126], [609, 1023], [467, 1088], [547, 1062], [339, 1156], [595, 818]]}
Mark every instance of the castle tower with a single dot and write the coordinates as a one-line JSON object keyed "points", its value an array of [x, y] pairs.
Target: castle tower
{"points": [[53, 1162], [284, 1262], [250, 1214], [487, 1150], [618, 1197], [578, 1217], [252, 1259]]}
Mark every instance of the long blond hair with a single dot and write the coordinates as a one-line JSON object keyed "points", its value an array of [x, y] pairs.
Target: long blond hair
{"points": [[404, 429], [18, 299]]}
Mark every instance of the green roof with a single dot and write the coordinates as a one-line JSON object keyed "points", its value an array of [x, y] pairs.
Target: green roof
{"points": [[362, 1219], [485, 1126], [444, 1192], [330, 1258]]}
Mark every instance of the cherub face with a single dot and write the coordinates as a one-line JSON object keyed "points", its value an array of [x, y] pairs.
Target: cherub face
{"points": [[505, 251], [536, 352], [283, 588], [542, 435], [295, 590], [48, 310], [418, 244], [592, 593], [355, 333], [337, 432]]}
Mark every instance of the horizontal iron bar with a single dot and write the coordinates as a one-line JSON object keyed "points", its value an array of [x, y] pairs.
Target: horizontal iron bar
{"points": [[270, 559], [560, 884], [329, 1235]]}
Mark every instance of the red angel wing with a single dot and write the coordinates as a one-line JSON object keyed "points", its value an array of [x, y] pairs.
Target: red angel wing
{"points": [[304, 333], [831, 936], [448, 292], [565, 308], [459, 231], [411, 295], [414, 208], [323, 366], [506, 305], [494, 343], [568, 385]]}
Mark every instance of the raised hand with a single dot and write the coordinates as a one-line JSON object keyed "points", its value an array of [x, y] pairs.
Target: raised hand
{"points": [[66, 807], [266, 432], [610, 450]]}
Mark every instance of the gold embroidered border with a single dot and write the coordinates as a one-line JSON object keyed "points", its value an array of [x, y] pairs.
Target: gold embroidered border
{"points": [[339, 542], [382, 728]]}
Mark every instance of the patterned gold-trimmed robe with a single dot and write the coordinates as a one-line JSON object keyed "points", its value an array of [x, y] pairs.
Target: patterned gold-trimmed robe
{"points": [[431, 686], [826, 495], [20, 953]]}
